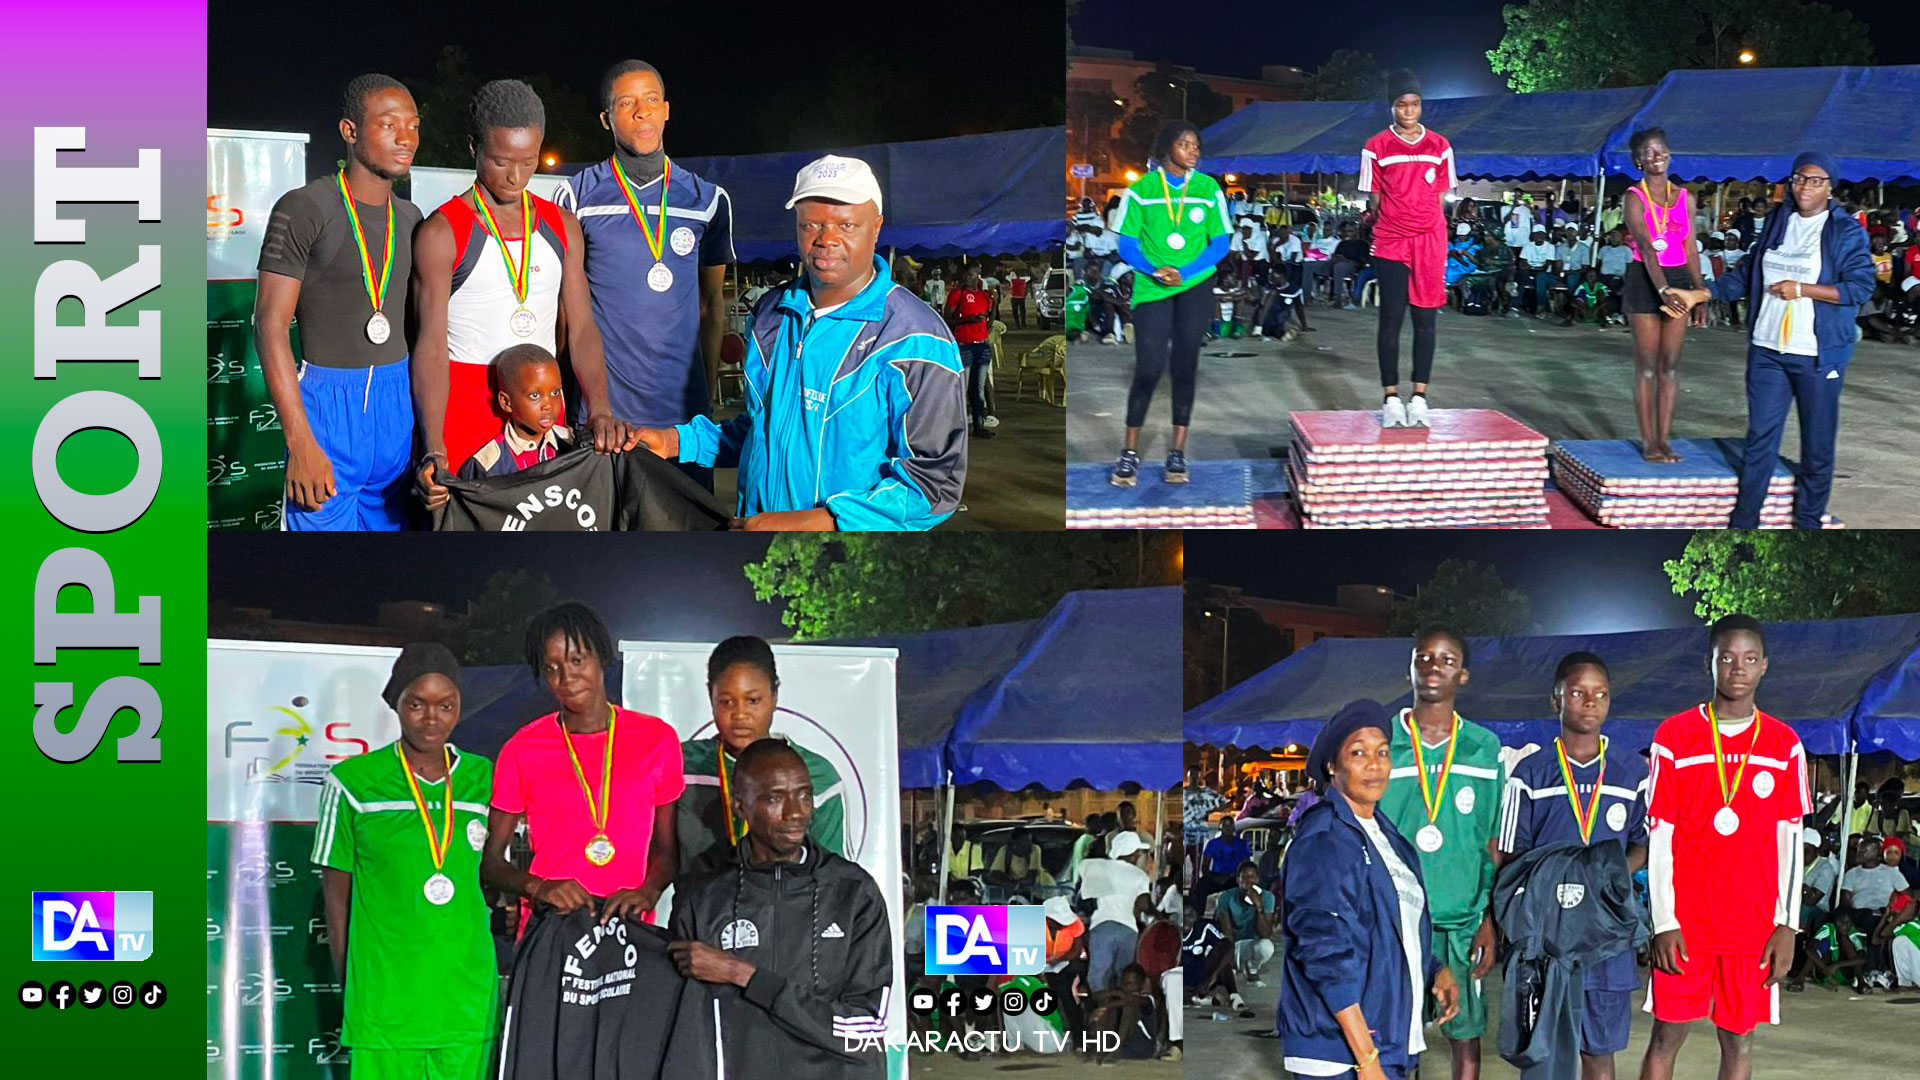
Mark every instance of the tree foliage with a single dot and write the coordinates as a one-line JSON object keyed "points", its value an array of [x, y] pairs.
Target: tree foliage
{"points": [[856, 585], [1799, 575], [1348, 75], [1469, 597], [573, 129], [1591, 44], [496, 620], [1156, 99]]}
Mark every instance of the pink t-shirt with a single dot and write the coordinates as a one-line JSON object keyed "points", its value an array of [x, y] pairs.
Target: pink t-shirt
{"points": [[1675, 234], [535, 777]]}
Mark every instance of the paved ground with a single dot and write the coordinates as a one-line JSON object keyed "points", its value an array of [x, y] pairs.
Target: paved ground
{"points": [[1016, 480], [1048, 1067], [1566, 383], [1823, 1034]]}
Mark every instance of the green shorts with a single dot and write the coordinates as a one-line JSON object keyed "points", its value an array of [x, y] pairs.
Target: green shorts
{"points": [[471, 1062], [1455, 949]]}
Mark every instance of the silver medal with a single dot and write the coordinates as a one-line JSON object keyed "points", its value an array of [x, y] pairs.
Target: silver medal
{"points": [[1176, 241], [1428, 839], [378, 329], [1660, 243], [1726, 821], [439, 889], [522, 322], [660, 279]]}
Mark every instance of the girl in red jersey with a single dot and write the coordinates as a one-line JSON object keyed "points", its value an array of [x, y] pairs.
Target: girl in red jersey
{"points": [[1659, 220], [1408, 169]]}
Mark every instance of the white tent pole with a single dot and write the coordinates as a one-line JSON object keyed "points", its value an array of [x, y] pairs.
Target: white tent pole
{"points": [[1846, 811], [946, 838], [1159, 829]]}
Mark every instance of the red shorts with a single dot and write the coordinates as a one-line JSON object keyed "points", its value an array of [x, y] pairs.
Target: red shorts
{"points": [[1729, 988], [1425, 254], [472, 420]]}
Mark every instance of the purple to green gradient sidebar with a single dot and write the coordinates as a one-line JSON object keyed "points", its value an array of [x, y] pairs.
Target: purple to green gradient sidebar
{"points": [[134, 75]]}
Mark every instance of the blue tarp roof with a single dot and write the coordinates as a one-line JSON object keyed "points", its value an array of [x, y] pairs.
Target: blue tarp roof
{"points": [[1747, 125], [992, 194], [1721, 125], [1820, 677], [1091, 698]]}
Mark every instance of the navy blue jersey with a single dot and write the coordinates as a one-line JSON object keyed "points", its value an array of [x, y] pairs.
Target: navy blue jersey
{"points": [[655, 375], [1534, 811]]}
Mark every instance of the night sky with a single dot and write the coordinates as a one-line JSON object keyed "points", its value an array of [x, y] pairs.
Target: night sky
{"points": [[1579, 582], [935, 71], [1446, 44], [660, 586]]}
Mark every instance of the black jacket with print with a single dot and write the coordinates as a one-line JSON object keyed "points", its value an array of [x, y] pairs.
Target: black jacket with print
{"points": [[816, 1007]]}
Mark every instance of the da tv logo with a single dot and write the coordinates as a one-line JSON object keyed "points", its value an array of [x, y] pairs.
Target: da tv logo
{"points": [[92, 925], [986, 940]]}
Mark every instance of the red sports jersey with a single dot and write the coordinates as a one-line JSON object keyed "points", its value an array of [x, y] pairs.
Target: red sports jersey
{"points": [[1726, 888], [1411, 178], [964, 302]]}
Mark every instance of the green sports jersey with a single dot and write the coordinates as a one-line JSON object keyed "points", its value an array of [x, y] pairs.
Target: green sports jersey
{"points": [[701, 818], [1154, 211], [1459, 876], [420, 975]]}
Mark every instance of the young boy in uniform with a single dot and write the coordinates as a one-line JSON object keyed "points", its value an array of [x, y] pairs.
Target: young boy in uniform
{"points": [[419, 967], [1445, 793], [530, 396], [1726, 793], [1584, 790]]}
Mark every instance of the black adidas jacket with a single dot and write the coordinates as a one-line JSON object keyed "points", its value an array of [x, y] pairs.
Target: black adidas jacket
{"points": [[583, 491], [817, 933], [590, 1002], [1561, 908]]}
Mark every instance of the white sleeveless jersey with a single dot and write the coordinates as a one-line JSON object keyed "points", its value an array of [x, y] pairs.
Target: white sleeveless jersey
{"points": [[482, 304]]}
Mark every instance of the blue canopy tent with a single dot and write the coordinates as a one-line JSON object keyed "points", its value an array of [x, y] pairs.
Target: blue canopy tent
{"points": [[1888, 716], [1748, 125], [1821, 675], [992, 194]]}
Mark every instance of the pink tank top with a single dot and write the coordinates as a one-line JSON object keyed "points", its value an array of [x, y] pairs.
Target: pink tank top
{"points": [[1675, 233]]}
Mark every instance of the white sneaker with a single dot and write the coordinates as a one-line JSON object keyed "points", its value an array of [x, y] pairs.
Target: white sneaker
{"points": [[990, 422], [1393, 413], [1417, 411], [1111, 340], [1236, 1002]]}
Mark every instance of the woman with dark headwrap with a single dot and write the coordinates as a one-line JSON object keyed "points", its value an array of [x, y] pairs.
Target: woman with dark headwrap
{"points": [[1805, 281], [419, 966], [1173, 232], [1358, 966]]}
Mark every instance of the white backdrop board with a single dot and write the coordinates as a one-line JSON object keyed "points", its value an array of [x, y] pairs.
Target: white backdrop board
{"points": [[837, 702]]}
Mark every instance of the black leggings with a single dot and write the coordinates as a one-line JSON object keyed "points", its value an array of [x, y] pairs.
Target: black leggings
{"points": [[1166, 331], [1394, 277]]}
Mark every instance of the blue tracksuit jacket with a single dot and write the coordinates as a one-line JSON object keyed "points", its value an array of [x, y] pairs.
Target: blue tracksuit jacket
{"points": [[862, 411]]}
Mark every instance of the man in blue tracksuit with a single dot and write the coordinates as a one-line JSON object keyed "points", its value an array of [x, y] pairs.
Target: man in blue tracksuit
{"points": [[856, 412], [1804, 283]]}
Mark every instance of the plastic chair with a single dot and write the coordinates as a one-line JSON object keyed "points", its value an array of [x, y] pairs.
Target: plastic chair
{"points": [[1370, 293], [1047, 362]]}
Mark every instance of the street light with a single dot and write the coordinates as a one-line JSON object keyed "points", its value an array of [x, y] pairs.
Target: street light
{"points": [[1746, 56], [1225, 625], [1231, 178], [1132, 175], [1182, 87], [552, 161]]}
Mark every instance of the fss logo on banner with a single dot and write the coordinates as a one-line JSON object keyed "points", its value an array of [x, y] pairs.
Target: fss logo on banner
{"points": [[986, 940], [92, 925]]}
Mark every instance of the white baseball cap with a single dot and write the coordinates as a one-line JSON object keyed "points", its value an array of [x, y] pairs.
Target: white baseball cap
{"points": [[1060, 910], [1123, 844], [1717, 235], [1909, 283], [842, 179]]}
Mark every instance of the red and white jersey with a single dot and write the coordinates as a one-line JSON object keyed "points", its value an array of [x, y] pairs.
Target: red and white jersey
{"points": [[1726, 889], [1411, 178], [482, 300]]}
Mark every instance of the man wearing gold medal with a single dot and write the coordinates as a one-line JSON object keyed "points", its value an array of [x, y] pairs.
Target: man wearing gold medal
{"points": [[1445, 794], [494, 267], [596, 785], [337, 254], [1726, 796], [398, 842], [1584, 790], [658, 241]]}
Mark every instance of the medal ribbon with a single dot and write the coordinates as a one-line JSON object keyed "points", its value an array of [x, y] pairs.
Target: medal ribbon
{"points": [[1437, 797], [376, 293], [599, 817], [1658, 216], [655, 242], [734, 831], [1585, 821], [1166, 187], [519, 279], [1719, 759], [438, 848]]}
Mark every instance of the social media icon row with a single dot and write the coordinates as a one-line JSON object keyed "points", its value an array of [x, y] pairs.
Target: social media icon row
{"points": [[92, 995], [1011, 1002]]}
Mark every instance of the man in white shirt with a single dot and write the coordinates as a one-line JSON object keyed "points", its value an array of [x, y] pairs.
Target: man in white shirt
{"points": [[1614, 257], [1534, 270], [1119, 888], [1518, 226], [1579, 254]]}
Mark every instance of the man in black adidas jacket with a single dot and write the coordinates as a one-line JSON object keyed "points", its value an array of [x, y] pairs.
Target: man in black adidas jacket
{"points": [[787, 952]]}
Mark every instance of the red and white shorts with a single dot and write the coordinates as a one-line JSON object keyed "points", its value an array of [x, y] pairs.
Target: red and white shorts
{"points": [[1729, 988]]}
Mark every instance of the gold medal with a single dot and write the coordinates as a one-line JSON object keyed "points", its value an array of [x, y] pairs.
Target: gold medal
{"points": [[599, 849]]}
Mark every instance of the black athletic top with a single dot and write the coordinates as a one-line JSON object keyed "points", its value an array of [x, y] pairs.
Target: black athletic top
{"points": [[309, 237]]}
